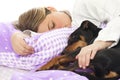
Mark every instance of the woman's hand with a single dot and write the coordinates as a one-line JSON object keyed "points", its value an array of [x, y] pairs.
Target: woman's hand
{"points": [[89, 52], [19, 45]]}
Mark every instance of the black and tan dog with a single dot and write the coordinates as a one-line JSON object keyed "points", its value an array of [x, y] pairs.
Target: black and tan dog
{"points": [[105, 65]]}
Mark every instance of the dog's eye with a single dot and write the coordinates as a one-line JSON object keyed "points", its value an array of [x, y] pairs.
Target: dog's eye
{"points": [[73, 37]]}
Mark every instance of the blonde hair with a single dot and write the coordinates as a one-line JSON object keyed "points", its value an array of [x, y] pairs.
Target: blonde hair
{"points": [[31, 19]]}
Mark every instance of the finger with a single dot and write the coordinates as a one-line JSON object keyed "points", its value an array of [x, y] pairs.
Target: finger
{"points": [[83, 61], [27, 48], [81, 58], [77, 56], [22, 50], [19, 50], [79, 61], [93, 54], [88, 58]]}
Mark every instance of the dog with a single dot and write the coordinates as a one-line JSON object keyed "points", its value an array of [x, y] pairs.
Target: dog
{"points": [[104, 66]]}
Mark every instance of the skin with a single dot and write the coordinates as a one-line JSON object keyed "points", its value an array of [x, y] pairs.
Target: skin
{"points": [[19, 45], [54, 20]]}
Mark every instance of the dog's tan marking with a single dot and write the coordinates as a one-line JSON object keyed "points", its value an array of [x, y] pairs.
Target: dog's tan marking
{"points": [[56, 62], [82, 38], [75, 46], [111, 75], [80, 43]]}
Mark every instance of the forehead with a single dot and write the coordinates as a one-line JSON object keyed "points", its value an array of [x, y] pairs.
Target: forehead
{"points": [[58, 18], [43, 27]]}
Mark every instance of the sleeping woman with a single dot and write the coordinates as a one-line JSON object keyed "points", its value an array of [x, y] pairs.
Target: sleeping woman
{"points": [[38, 20], [44, 43]]}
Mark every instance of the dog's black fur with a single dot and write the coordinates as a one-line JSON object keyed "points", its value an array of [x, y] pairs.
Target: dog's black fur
{"points": [[105, 65]]}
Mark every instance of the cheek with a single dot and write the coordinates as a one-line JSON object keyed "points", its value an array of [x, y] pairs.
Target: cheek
{"points": [[59, 24], [42, 29]]}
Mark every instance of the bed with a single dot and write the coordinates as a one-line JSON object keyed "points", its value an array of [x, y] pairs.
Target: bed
{"points": [[18, 74]]}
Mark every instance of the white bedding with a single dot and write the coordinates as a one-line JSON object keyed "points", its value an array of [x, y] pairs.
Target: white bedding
{"points": [[6, 72]]}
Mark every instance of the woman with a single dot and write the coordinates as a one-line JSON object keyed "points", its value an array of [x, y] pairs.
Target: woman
{"points": [[46, 45], [39, 20]]}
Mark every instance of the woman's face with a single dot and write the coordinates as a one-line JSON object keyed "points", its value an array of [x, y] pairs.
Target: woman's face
{"points": [[54, 20]]}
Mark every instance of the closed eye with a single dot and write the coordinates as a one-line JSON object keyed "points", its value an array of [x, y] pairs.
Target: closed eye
{"points": [[51, 25]]}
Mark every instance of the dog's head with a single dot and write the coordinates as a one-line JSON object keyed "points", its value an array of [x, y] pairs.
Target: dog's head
{"points": [[82, 36], [86, 32]]}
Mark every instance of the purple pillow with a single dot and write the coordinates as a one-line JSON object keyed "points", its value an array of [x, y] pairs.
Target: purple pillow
{"points": [[47, 45]]}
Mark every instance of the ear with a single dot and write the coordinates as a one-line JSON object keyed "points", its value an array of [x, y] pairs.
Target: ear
{"points": [[52, 9], [84, 24], [88, 25]]}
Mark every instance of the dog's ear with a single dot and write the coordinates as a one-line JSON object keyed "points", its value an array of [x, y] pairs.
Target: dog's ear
{"points": [[87, 25], [84, 24]]}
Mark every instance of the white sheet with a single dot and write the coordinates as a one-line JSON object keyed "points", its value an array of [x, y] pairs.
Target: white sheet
{"points": [[6, 72]]}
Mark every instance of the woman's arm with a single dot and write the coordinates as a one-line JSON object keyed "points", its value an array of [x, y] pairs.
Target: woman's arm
{"points": [[19, 45], [110, 32]]}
